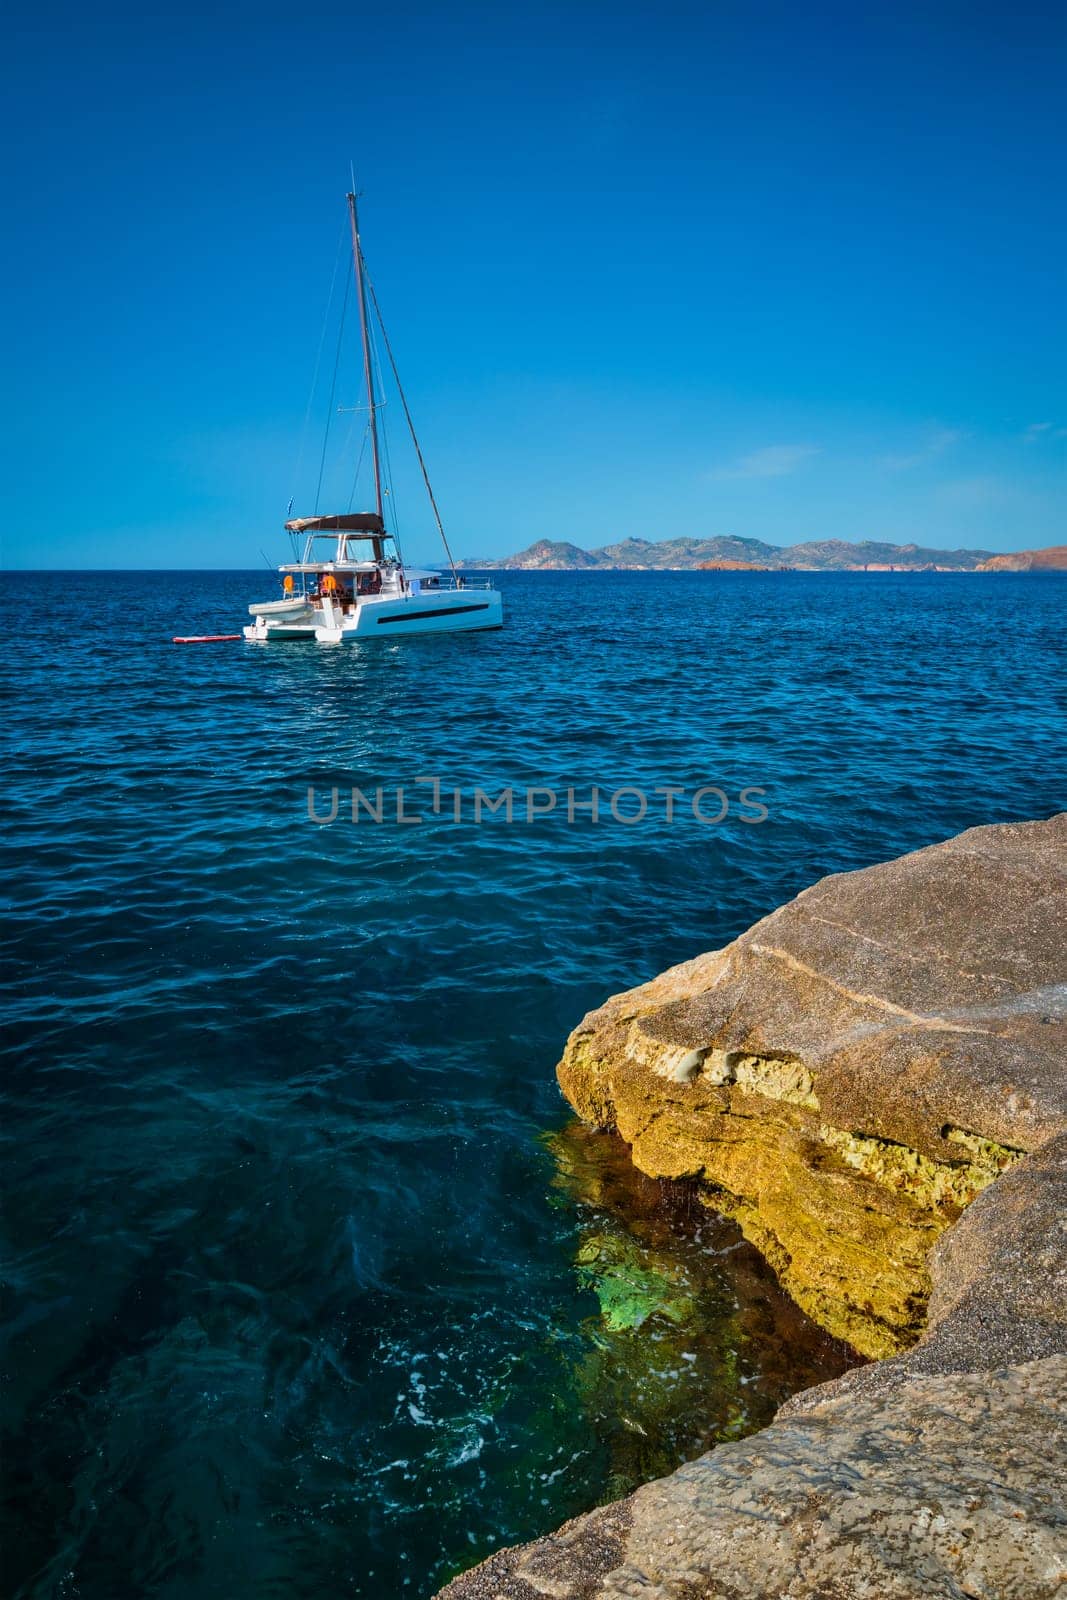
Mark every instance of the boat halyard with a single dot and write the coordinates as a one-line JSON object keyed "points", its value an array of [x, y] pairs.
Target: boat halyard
{"points": [[340, 596]]}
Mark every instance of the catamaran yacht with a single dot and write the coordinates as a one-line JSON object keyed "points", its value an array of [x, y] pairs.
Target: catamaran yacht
{"points": [[351, 582]]}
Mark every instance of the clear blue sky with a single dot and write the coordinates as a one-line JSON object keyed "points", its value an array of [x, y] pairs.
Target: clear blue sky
{"points": [[650, 269]]}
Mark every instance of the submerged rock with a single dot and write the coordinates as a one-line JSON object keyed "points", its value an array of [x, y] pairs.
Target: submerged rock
{"points": [[845, 1079], [628, 1291], [888, 1496], [690, 1340]]}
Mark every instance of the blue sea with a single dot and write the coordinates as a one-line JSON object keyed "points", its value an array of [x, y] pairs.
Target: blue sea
{"points": [[311, 1287]]}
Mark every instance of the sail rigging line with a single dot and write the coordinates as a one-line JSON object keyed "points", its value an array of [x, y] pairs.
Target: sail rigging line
{"points": [[333, 391], [359, 463], [391, 490], [318, 360], [377, 373], [410, 423], [392, 500], [368, 377], [354, 413]]}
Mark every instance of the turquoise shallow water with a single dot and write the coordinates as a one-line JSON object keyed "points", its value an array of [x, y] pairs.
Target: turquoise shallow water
{"points": [[299, 1297]]}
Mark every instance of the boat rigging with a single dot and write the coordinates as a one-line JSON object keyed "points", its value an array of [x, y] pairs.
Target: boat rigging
{"points": [[343, 592]]}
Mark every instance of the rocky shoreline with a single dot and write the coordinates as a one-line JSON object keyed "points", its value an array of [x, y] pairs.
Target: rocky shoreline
{"points": [[871, 1081], [732, 554]]}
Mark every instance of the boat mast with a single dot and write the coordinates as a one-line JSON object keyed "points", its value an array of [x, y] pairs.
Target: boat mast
{"points": [[368, 377]]}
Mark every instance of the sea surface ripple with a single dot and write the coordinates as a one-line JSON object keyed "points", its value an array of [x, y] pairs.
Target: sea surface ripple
{"points": [[310, 1289]]}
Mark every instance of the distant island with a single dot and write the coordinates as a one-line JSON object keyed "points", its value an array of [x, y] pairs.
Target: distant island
{"points": [[1054, 559], [730, 554]]}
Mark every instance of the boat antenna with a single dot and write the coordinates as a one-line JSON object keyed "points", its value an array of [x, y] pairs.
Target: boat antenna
{"points": [[410, 423], [368, 377]]}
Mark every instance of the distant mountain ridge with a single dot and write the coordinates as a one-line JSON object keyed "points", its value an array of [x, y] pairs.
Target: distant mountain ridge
{"points": [[820, 555]]}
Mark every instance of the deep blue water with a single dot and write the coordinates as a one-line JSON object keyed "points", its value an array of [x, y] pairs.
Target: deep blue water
{"points": [[305, 1290]]}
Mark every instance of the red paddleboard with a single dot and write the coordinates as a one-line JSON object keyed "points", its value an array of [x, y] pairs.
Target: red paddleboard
{"points": [[208, 638]]}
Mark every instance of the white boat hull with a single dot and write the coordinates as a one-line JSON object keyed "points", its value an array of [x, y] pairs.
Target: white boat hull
{"points": [[261, 630], [448, 611], [389, 617]]}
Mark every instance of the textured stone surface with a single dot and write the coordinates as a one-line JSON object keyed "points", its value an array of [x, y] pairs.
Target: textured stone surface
{"points": [[879, 1496], [846, 1078], [850, 1073]]}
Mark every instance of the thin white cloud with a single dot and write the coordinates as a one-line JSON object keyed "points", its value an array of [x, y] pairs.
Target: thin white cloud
{"points": [[937, 442], [774, 461], [1043, 430], [971, 494]]}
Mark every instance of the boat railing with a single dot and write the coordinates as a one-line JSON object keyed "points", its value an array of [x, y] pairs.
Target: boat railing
{"points": [[460, 583]]}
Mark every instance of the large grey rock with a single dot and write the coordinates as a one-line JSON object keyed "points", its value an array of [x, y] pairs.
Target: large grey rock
{"points": [[897, 1037]]}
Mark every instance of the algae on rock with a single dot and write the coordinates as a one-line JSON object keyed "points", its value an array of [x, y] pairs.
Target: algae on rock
{"points": [[628, 1290], [839, 1097], [846, 1219], [691, 1341]]}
